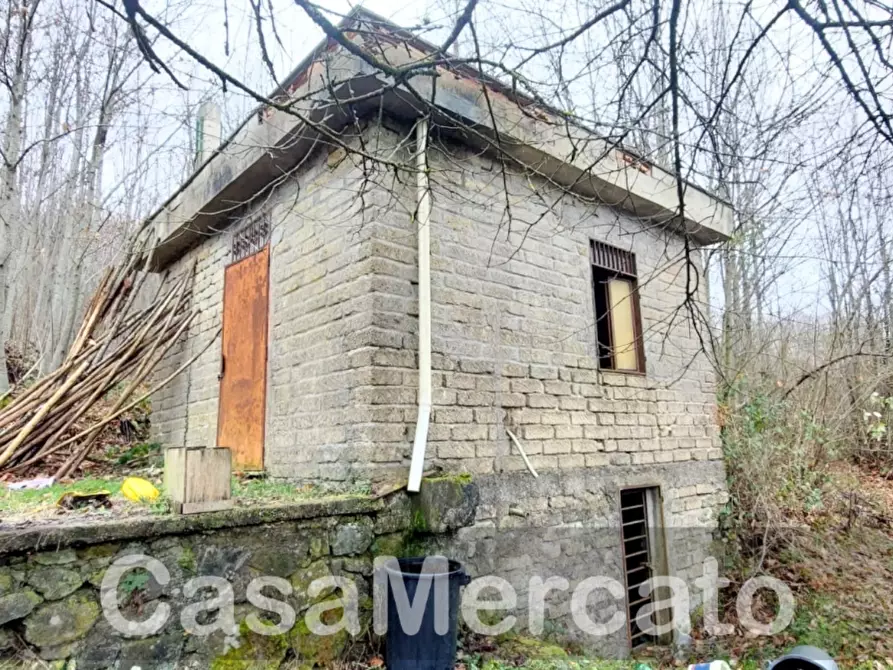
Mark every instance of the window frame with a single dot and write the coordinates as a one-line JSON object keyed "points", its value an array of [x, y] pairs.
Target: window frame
{"points": [[657, 557], [615, 263]]}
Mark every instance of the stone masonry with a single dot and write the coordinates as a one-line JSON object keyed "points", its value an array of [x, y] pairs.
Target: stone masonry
{"points": [[52, 605], [513, 348]]}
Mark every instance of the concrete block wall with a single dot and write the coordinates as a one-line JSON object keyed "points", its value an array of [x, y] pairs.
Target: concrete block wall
{"points": [[566, 524], [514, 331], [334, 280], [324, 334], [184, 413], [514, 348]]}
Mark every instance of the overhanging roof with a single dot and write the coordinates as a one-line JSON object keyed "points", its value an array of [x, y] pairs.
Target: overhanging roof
{"points": [[273, 141]]}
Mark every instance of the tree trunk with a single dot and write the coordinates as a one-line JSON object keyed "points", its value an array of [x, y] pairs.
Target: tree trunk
{"points": [[10, 206]]}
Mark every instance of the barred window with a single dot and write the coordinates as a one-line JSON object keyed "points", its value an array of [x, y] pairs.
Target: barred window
{"points": [[618, 322], [251, 236]]}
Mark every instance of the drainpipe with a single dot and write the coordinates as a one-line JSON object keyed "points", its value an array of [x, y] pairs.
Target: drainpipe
{"points": [[423, 195]]}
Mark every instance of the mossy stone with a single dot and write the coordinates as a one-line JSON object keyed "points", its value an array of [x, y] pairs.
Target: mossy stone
{"points": [[18, 605], [303, 578], [54, 583], [61, 557], [278, 561], [59, 652], [95, 578], [62, 621], [532, 648], [359, 565], [152, 651], [186, 560], [353, 537], [258, 652], [319, 650], [391, 544], [100, 551], [444, 504], [7, 581], [319, 546], [101, 647], [396, 516]]}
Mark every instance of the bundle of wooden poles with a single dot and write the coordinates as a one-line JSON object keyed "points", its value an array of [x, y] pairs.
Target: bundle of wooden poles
{"points": [[118, 346]]}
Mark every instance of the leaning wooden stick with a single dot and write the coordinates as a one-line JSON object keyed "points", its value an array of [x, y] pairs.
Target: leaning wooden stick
{"points": [[111, 417], [117, 346]]}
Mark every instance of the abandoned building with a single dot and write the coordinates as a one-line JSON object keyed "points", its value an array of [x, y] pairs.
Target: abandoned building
{"points": [[455, 281]]}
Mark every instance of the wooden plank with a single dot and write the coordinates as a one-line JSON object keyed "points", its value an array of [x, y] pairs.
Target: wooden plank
{"points": [[175, 472], [198, 479], [208, 475], [243, 383], [207, 506]]}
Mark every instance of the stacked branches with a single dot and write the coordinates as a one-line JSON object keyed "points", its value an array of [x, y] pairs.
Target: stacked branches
{"points": [[117, 348]]}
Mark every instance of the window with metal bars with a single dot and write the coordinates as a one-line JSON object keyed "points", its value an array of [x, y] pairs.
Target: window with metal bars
{"points": [[251, 236], [642, 547], [618, 321]]}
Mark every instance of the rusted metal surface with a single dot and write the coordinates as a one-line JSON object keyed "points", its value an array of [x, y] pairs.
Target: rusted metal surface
{"points": [[243, 378], [637, 559], [614, 259], [251, 237]]}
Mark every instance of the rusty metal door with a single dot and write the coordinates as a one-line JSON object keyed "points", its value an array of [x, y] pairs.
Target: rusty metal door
{"points": [[243, 368]]}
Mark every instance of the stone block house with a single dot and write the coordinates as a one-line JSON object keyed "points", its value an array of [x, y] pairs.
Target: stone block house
{"points": [[523, 287]]}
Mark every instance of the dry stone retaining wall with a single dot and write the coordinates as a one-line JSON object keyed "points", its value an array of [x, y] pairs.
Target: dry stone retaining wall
{"points": [[50, 577]]}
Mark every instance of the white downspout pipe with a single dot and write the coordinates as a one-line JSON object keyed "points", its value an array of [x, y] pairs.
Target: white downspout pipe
{"points": [[423, 195]]}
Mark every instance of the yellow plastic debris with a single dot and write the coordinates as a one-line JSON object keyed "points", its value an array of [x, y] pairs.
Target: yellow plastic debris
{"points": [[138, 489]]}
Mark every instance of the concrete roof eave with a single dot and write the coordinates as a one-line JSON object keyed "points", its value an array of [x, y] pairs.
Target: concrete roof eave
{"points": [[272, 144]]}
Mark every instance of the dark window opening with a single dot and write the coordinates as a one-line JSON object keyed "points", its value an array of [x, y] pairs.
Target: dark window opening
{"points": [[641, 540], [618, 322]]}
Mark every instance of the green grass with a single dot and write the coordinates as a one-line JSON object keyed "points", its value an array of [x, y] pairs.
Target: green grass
{"points": [[261, 489], [42, 502], [269, 490], [17, 502], [140, 452]]}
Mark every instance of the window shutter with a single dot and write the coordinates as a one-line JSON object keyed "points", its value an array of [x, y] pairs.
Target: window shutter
{"points": [[251, 237], [613, 259], [623, 324]]}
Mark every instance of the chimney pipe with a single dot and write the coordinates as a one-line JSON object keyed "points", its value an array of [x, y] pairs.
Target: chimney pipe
{"points": [[207, 132]]}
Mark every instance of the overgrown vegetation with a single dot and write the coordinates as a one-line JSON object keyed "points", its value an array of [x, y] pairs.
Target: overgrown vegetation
{"points": [[777, 460], [40, 500], [811, 504]]}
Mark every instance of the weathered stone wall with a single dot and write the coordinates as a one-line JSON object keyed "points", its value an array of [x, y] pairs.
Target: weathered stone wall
{"points": [[184, 413], [324, 338], [50, 578], [567, 524]]}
